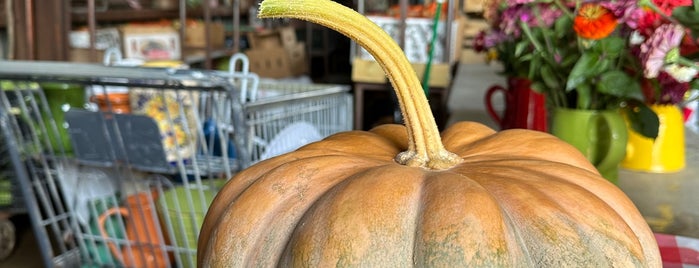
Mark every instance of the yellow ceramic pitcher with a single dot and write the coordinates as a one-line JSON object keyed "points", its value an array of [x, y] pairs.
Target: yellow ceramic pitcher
{"points": [[666, 152]]}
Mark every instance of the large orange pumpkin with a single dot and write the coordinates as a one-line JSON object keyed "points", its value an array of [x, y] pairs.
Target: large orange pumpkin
{"points": [[400, 196]]}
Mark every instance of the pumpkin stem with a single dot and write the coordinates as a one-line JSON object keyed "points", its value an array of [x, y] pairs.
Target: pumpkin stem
{"points": [[425, 147]]}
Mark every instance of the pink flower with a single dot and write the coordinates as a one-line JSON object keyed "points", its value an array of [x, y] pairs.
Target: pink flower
{"points": [[511, 17], [495, 38], [655, 49], [627, 11], [514, 15]]}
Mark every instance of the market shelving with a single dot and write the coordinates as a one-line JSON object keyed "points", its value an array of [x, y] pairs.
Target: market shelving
{"points": [[190, 55]]}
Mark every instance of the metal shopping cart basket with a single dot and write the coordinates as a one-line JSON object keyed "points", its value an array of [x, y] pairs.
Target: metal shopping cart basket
{"points": [[108, 186], [105, 186], [278, 117], [10, 190]]}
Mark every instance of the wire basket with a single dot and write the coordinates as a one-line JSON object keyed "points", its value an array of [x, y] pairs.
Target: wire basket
{"points": [[279, 117], [114, 185]]}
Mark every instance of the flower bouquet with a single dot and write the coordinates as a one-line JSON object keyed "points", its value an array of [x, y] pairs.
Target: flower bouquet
{"points": [[596, 55]]}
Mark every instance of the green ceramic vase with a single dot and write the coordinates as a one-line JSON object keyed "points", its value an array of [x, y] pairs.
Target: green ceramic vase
{"points": [[600, 135]]}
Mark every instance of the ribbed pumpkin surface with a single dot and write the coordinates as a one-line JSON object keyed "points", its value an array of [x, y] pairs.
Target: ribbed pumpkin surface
{"points": [[519, 199]]}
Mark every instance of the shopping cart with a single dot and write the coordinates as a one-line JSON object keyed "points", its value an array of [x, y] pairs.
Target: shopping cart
{"points": [[278, 117], [111, 186], [10, 190]]}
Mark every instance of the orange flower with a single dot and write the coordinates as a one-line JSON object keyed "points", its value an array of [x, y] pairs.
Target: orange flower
{"points": [[594, 21]]}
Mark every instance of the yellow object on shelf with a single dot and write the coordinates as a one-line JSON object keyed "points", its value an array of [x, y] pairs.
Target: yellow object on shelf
{"points": [[165, 64], [664, 154]]}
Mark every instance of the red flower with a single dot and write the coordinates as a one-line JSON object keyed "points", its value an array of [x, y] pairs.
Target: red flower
{"points": [[672, 91], [651, 20], [667, 6], [479, 42], [594, 21]]}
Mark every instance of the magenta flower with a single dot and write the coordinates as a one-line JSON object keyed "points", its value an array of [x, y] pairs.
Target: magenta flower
{"points": [[514, 15], [510, 18], [547, 16], [655, 49], [495, 38], [479, 42]]}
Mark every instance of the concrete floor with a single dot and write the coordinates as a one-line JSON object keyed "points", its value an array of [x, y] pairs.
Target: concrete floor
{"points": [[473, 78]]}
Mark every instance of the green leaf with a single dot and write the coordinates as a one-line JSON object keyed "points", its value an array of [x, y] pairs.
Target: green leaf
{"points": [[643, 120], [549, 77], [538, 87], [694, 83], [570, 60], [534, 66], [689, 17], [521, 48], [611, 46], [584, 96], [619, 84], [602, 66], [562, 26], [581, 70], [528, 33]]}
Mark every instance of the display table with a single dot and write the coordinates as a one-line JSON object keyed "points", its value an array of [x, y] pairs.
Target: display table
{"points": [[668, 201]]}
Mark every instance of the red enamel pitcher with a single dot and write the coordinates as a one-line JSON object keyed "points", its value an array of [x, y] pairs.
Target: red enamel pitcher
{"points": [[524, 108]]}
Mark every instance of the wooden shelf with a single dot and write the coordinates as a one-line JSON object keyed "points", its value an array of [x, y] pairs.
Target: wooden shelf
{"points": [[121, 15], [3, 18], [190, 55]]}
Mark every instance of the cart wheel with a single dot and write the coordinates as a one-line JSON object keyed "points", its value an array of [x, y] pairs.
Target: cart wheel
{"points": [[7, 238]]}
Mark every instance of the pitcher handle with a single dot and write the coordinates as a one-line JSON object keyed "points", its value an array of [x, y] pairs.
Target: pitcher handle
{"points": [[489, 103], [100, 223], [617, 147]]}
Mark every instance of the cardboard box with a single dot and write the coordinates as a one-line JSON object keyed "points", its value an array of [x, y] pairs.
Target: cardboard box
{"points": [[83, 55], [369, 71], [151, 42], [265, 39], [287, 36], [284, 36], [278, 61], [297, 58], [196, 31], [269, 62], [473, 6], [277, 53]]}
